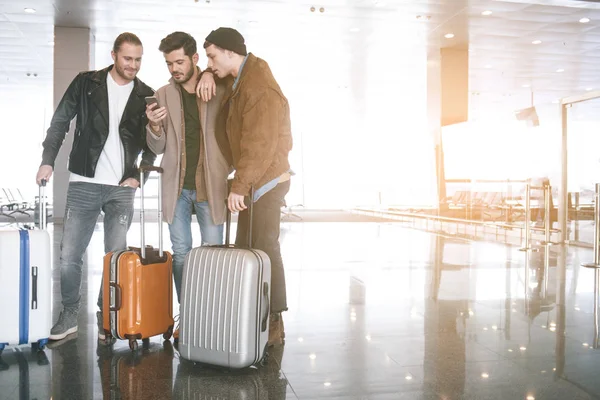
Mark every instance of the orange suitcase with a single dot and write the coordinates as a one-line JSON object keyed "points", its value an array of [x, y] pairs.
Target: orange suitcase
{"points": [[137, 287]]}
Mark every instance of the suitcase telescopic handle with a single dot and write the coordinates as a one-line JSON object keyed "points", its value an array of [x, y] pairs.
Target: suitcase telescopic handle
{"points": [[267, 301], [43, 206], [248, 201], [160, 171]]}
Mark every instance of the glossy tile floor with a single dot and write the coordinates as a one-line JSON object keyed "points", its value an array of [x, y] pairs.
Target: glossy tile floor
{"points": [[377, 311]]}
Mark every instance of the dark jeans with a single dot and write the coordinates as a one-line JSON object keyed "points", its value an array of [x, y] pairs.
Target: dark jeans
{"points": [[265, 237], [85, 201]]}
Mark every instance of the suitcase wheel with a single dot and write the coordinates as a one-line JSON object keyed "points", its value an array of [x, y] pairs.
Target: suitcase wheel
{"points": [[133, 344], [39, 345], [264, 360], [42, 358], [167, 335], [146, 343]]}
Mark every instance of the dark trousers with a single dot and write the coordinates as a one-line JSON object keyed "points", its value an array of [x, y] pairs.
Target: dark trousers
{"points": [[265, 237]]}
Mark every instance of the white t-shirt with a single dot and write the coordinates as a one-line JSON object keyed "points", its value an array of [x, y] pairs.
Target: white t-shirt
{"points": [[110, 167]]}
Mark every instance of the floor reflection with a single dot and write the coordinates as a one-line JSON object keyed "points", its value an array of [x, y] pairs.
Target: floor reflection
{"points": [[377, 311]]}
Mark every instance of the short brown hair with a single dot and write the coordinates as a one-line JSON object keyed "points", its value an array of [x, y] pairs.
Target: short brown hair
{"points": [[178, 40], [126, 37]]}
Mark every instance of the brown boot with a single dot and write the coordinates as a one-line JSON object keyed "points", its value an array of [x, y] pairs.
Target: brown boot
{"points": [[276, 333]]}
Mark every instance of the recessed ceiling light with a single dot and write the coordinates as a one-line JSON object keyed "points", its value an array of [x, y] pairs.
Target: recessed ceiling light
{"points": [[486, 13], [29, 10], [449, 35], [485, 375], [554, 101], [354, 29], [584, 20], [327, 384], [488, 66], [526, 85], [536, 42], [588, 89], [560, 70]]}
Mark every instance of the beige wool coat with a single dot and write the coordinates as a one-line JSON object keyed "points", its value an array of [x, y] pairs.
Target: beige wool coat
{"points": [[171, 145]]}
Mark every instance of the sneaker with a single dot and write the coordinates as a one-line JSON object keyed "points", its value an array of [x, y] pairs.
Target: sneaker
{"points": [[176, 333], [66, 325], [276, 333], [101, 333], [100, 321], [57, 343]]}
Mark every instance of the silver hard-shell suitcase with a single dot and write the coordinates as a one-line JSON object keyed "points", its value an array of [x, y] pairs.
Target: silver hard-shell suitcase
{"points": [[224, 316]]}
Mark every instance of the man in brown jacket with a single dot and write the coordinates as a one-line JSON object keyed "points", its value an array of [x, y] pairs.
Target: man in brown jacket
{"points": [[182, 128], [257, 129]]}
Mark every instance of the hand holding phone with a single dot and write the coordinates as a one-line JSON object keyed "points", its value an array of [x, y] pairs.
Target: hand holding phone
{"points": [[155, 114]]}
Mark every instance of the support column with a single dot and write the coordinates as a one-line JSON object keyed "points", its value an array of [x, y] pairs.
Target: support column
{"points": [[73, 52], [563, 192], [447, 100]]}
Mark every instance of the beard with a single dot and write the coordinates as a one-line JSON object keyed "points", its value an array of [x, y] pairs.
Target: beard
{"points": [[186, 76], [127, 75]]}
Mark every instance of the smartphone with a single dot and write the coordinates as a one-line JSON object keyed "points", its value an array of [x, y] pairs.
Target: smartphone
{"points": [[151, 100]]}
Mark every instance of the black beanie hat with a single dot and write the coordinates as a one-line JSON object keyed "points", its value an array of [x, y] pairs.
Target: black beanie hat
{"points": [[228, 39]]}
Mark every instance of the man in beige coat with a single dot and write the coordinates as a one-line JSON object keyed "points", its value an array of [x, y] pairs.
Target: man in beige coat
{"points": [[182, 128]]}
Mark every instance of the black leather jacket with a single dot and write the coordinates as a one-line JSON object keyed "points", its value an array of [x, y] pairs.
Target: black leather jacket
{"points": [[87, 99]]}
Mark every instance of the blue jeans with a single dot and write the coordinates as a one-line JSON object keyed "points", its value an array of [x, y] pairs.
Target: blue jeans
{"points": [[85, 201], [181, 231]]}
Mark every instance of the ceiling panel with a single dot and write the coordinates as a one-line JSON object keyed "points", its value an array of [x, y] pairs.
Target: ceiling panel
{"points": [[502, 56]]}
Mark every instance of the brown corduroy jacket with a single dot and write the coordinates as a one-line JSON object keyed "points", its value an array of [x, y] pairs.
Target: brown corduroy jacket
{"points": [[257, 127]]}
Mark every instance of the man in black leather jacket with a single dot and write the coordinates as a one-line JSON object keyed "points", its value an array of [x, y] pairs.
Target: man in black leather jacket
{"points": [[109, 136]]}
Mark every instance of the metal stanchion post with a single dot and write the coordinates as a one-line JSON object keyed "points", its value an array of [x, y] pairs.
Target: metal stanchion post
{"points": [[527, 246], [508, 196], [596, 288], [576, 224], [544, 289], [596, 263], [547, 211]]}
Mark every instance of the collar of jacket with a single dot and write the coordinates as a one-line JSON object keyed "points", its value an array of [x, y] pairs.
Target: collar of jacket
{"points": [[100, 78], [248, 67]]}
